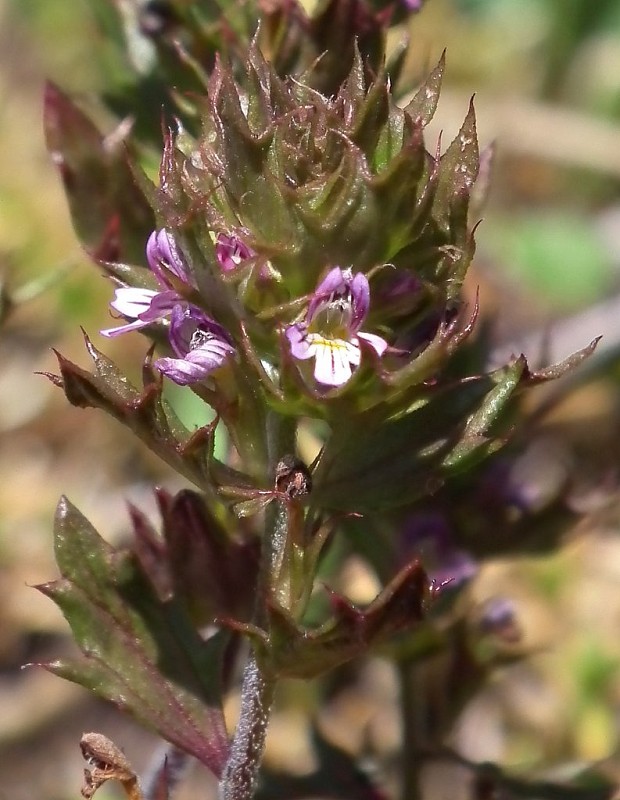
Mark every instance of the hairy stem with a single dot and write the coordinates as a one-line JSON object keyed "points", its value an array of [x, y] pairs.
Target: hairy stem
{"points": [[241, 771], [258, 687]]}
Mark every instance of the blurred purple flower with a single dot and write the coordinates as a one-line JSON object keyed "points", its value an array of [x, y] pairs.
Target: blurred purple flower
{"points": [[331, 332], [200, 343], [145, 306], [498, 617], [427, 535], [398, 292]]}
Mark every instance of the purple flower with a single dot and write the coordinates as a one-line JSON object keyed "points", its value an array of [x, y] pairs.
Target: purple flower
{"points": [[331, 332], [230, 251], [428, 535], [200, 343], [497, 616], [398, 292], [145, 306]]}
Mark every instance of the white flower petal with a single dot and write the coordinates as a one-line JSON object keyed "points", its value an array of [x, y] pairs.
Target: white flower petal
{"points": [[131, 302], [131, 326], [353, 351], [332, 366]]}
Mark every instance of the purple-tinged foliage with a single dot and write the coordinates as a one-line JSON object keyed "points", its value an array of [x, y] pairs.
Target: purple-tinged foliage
{"points": [[196, 560], [140, 653], [145, 412], [111, 216], [294, 650], [305, 256]]}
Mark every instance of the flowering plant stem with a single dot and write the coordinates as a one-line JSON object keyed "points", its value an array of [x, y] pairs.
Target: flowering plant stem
{"points": [[241, 771], [298, 263], [258, 685]]}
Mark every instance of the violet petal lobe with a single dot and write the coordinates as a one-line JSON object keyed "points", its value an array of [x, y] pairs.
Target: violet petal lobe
{"points": [[185, 321], [298, 342], [333, 283], [360, 299], [198, 364], [143, 306], [378, 344], [164, 256], [131, 303]]}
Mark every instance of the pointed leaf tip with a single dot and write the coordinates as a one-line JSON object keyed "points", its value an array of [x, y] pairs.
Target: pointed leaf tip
{"points": [[109, 212], [140, 653], [423, 105]]}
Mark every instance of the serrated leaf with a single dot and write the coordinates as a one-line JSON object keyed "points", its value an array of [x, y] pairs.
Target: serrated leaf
{"points": [[296, 651], [338, 29], [424, 103], [458, 170], [383, 464], [138, 652], [144, 411], [215, 573], [111, 217], [475, 438], [564, 367]]}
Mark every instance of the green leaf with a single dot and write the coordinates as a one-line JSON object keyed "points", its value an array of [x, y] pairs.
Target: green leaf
{"points": [[424, 103], [144, 411], [138, 652], [374, 464], [458, 170], [475, 439], [299, 652], [110, 215]]}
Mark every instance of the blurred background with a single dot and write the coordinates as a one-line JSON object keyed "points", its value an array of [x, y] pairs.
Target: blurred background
{"points": [[546, 74]]}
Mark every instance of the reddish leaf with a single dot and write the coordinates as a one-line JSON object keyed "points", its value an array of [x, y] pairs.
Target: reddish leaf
{"points": [[196, 560], [138, 652], [144, 411], [424, 103], [111, 216], [302, 653]]}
